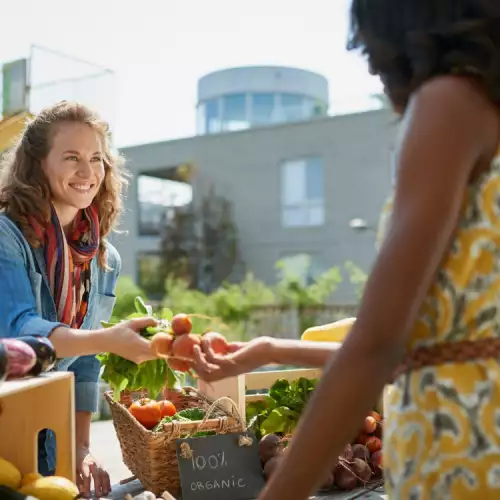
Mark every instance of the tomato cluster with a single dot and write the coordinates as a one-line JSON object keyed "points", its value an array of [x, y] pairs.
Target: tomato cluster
{"points": [[149, 412]]}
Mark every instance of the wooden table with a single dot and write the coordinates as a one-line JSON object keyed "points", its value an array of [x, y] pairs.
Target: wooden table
{"points": [[135, 487]]}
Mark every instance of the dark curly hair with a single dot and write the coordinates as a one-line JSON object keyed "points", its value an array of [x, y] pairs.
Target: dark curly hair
{"points": [[408, 42]]}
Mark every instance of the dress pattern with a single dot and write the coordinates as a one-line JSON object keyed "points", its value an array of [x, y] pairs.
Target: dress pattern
{"points": [[442, 434]]}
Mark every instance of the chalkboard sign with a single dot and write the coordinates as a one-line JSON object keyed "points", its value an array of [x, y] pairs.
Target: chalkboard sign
{"points": [[222, 467]]}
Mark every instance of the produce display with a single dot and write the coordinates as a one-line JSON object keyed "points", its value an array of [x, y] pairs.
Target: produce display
{"points": [[173, 342], [32, 486], [153, 414], [274, 419], [280, 411], [25, 357]]}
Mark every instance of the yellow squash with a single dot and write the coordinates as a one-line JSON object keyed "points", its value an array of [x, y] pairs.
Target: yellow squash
{"points": [[9, 474], [51, 488], [332, 332]]}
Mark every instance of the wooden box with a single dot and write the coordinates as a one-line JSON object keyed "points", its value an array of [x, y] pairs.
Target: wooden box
{"points": [[30, 405]]}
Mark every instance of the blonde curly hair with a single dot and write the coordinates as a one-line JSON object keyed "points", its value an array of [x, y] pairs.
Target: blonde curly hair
{"points": [[24, 188]]}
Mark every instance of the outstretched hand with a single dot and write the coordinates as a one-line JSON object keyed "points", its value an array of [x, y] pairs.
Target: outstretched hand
{"points": [[242, 357]]}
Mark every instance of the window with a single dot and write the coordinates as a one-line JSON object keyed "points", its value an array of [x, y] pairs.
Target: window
{"points": [[149, 275], [234, 112], [262, 108], [212, 117], [292, 107], [302, 193], [156, 196]]}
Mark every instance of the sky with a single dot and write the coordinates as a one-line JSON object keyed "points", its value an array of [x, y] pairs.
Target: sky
{"points": [[157, 50]]}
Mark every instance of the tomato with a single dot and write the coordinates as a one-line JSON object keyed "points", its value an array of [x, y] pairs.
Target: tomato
{"points": [[167, 409], [146, 411]]}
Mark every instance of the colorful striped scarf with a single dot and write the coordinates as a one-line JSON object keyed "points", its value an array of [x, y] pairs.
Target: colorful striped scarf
{"points": [[68, 262]]}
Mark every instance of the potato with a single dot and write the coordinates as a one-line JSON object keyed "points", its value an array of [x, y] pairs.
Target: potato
{"points": [[362, 470], [361, 452], [269, 446], [345, 478], [347, 453]]}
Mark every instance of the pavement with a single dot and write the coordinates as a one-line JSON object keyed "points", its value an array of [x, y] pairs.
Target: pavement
{"points": [[106, 448]]}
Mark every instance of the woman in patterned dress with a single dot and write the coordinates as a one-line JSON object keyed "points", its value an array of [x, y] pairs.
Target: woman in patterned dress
{"points": [[436, 282]]}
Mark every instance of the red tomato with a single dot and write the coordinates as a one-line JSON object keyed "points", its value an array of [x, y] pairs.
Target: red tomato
{"points": [[167, 409], [146, 411]]}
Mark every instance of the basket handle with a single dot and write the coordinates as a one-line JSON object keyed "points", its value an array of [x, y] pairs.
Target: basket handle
{"points": [[211, 409]]}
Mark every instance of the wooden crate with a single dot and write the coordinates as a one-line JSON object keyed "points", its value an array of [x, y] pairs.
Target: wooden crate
{"points": [[30, 405], [236, 387]]}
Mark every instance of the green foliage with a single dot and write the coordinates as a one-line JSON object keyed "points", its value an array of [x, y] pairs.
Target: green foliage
{"points": [[123, 374], [357, 277], [280, 412], [126, 293], [231, 305]]}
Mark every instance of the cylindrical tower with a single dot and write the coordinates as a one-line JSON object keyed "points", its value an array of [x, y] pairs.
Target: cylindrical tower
{"points": [[240, 98]]}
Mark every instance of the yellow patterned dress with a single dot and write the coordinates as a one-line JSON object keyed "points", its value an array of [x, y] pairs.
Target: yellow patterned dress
{"points": [[442, 436]]}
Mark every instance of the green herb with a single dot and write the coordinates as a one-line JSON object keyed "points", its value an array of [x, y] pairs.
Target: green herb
{"points": [[123, 374], [187, 415], [280, 412]]}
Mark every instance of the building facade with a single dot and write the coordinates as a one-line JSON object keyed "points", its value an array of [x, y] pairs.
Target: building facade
{"points": [[295, 188]]}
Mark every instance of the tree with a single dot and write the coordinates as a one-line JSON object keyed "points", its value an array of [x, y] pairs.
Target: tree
{"points": [[200, 243]]}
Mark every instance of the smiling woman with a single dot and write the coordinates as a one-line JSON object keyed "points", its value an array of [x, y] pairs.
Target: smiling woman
{"points": [[60, 196]]}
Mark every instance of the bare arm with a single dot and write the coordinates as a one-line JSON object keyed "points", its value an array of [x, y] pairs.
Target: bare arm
{"points": [[449, 130], [301, 353], [248, 356], [82, 429], [69, 342]]}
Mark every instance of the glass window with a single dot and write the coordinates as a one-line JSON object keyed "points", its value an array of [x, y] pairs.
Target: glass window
{"points": [[314, 179], [293, 107], [156, 196], [262, 108], [234, 112], [302, 193], [212, 117]]}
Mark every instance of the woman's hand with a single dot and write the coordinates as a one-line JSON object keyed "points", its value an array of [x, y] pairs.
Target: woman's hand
{"points": [[243, 357], [124, 340], [89, 470]]}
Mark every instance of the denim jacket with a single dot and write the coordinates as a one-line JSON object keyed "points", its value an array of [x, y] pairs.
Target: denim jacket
{"points": [[27, 308]]}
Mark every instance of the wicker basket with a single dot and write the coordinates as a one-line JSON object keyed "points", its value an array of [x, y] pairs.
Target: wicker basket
{"points": [[151, 456]]}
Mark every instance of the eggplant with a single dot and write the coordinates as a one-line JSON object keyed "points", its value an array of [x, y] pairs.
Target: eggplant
{"points": [[45, 353], [21, 358], [4, 362]]}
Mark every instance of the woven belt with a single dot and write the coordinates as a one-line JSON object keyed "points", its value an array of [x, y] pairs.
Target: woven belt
{"points": [[448, 352]]}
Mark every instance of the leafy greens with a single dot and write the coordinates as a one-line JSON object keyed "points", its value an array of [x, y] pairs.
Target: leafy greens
{"points": [[280, 411], [123, 374]]}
